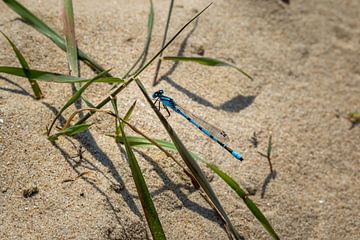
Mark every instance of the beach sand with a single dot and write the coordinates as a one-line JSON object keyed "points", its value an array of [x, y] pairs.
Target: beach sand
{"points": [[304, 58]]}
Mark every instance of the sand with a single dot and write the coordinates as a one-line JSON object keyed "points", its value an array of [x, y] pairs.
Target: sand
{"points": [[305, 61]]}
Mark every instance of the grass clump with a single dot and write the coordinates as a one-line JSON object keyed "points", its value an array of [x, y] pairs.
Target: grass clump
{"points": [[74, 54]]}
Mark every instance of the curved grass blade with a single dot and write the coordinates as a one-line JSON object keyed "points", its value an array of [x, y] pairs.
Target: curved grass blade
{"points": [[25, 66], [54, 77], [164, 40], [76, 96], [206, 61], [123, 86], [70, 131], [143, 142], [144, 194], [44, 29], [191, 163], [249, 203], [144, 53]]}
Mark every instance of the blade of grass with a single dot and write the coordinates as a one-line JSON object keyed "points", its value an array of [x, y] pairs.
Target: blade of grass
{"points": [[54, 77], [75, 97], [164, 40], [191, 163], [44, 29], [144, 53], [117, 121], [206, 61], [71, 46], [70, 131], [120, 88], [128, 113], [144, 194], [249, 203], [70, 39], [143, 142], [25, 66]]}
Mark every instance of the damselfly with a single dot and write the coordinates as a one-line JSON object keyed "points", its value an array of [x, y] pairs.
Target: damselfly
{"points": [[211, 131]]}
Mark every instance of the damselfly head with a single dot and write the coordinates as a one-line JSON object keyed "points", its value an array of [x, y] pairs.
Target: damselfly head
{"points": [[158, 94]]}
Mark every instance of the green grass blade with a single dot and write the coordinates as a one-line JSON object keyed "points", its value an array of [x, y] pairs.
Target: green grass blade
{"points": [[117, 120], [164, 40], [44, 29], [54, 77], [76, 96], [143, 142], [249, 203], [80, 91], [144, 53], [70, 131], [144, 194], [34, 85], [71, 46], [69, 30], [128, 113], [206, 61], [191, 163]]}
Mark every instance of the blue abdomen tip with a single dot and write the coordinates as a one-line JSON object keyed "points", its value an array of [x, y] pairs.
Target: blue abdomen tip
{"points": [[237, 155]]}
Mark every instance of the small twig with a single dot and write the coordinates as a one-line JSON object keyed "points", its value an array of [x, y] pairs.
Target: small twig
{"points": [[77, 177]]}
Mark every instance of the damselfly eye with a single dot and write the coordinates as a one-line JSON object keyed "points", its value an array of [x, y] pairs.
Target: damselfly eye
{"points": [[157, 94]]}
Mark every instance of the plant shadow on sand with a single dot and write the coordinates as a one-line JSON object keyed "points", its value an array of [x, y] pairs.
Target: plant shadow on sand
{"points": [[235, 104], [20, 91], [169, 185], [267, 180], [88, 143]]}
